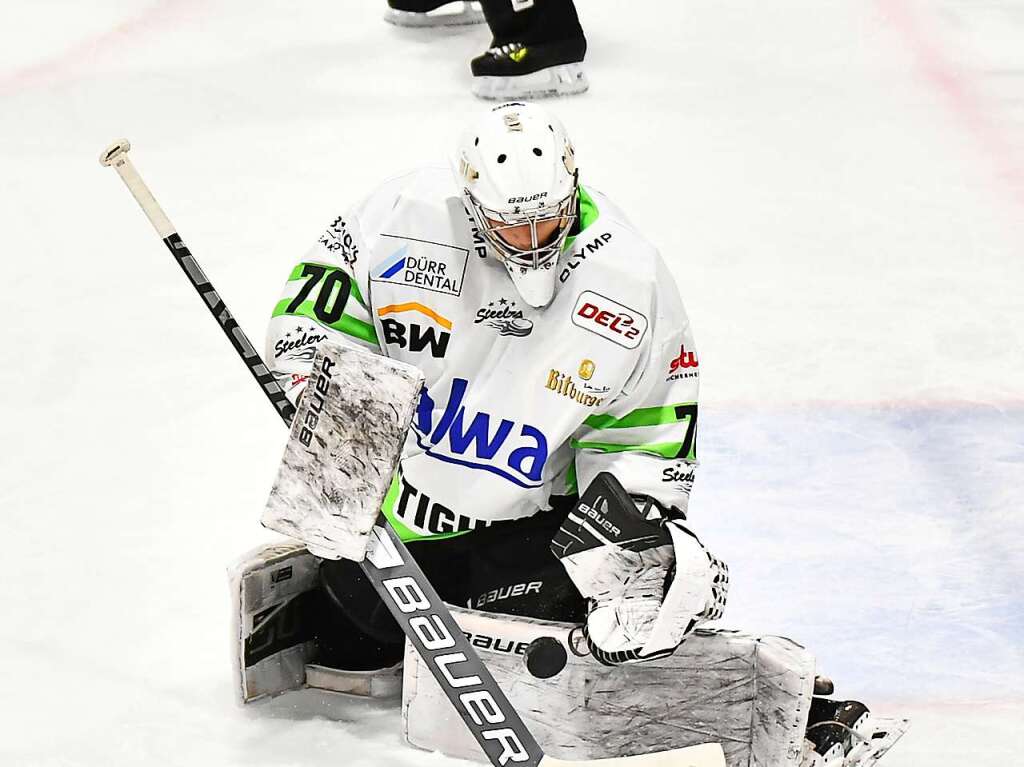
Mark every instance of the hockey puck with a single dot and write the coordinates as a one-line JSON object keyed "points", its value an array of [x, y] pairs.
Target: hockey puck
{"points": [[545, 657], [823, 686]]}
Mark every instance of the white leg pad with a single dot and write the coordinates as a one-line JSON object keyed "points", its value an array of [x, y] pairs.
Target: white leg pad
{"points": [[270, 647], [751, 694]]}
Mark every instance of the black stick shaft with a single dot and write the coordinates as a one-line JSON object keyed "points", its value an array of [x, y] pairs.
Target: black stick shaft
{"points": [[231, 329]]}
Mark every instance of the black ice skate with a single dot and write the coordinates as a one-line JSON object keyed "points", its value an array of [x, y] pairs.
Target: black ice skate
{"points": [[433, 13], [530, 70], [845, 734]]}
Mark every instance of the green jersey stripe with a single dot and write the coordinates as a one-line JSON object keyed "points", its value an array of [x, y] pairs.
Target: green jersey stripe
{"points": [[645, 416], [588, 214], [348, 325], [664, 449], [572, 486]]}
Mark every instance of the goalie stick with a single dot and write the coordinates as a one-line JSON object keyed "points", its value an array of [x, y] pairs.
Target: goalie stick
{"points": [[397, 577]]}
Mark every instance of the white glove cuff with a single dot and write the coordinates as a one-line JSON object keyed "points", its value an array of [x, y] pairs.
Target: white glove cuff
{"points": [[688, 595]]}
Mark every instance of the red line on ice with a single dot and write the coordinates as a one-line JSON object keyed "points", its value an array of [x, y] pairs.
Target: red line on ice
{"points": [[958, 92], [906, 403], [78, 54]]}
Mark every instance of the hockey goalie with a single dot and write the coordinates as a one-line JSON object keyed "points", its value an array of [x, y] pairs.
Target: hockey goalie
{"points": [[544, 481]]}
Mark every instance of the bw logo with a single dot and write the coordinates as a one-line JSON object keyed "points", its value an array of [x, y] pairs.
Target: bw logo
{"points": [[412, 335]]}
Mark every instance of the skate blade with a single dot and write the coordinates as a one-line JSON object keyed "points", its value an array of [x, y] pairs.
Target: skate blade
{"points": [[465, 13], [884, 734], [562, 80]]}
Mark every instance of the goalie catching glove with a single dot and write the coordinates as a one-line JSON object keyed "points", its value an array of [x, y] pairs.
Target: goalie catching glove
{"points": [[648, 579]]}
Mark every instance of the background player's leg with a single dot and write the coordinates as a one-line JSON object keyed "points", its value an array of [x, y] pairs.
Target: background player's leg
{"points": [[433, 13], [536, 50]]}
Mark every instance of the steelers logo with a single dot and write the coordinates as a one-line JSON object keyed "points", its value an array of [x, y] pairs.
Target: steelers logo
{"points": [[518, 326]]}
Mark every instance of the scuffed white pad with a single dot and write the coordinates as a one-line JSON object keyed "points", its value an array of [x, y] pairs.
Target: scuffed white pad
{"points": [[749, 693], [342, 451], [265, 585]]}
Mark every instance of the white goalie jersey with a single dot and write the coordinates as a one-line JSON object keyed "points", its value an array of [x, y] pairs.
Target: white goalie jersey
{"points": [[519, 403]]}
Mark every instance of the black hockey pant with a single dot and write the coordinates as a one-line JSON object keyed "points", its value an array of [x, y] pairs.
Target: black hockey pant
{"points": [[506, 568]]}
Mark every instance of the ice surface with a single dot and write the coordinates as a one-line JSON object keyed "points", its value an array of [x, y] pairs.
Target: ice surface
{"points": [[838, 187]]}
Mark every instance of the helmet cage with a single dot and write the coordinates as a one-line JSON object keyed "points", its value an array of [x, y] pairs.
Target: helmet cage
{"points": [[537, 256]]}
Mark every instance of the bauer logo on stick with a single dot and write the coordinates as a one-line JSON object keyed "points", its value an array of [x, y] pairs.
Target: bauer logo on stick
{"points": [[438, 647]]}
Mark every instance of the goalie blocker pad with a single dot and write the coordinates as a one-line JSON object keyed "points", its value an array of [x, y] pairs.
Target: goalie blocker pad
{"points": [[343, 450], [751, 694]]}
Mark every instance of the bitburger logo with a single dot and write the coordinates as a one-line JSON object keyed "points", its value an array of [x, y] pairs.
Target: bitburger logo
{"points": [[503, 316], [563, 384], [586, 372]]}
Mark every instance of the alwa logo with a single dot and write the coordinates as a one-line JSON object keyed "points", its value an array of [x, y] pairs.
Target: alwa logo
{"points": [[678, 368], [479, 440]]}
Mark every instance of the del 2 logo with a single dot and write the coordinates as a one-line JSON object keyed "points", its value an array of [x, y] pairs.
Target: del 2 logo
{"points": [[516, 452], [609, 319]]}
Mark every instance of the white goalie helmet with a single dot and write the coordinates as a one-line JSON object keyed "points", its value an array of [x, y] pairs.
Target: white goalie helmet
{"points": [[517, 171]]}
